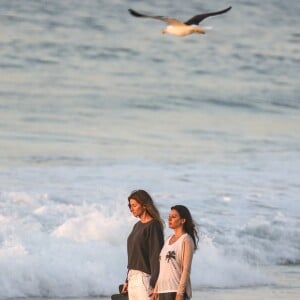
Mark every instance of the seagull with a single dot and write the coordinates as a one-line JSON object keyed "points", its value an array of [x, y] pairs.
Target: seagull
{"points": [[179, 28]]}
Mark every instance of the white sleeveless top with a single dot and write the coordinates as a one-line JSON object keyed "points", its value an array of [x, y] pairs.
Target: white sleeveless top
{"points": [[170, 266]]}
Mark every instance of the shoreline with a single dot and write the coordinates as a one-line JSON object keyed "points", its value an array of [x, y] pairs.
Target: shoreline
{"points": [[250, 293], [286, 286], [260, 293], [254, 293]]}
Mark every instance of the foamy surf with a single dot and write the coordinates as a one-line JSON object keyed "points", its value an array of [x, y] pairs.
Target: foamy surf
{"points": [[213, 127], [68, 239]]}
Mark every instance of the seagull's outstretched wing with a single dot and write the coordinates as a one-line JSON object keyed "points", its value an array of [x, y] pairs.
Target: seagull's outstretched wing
{"points": [[198, 18], [170, 21]]}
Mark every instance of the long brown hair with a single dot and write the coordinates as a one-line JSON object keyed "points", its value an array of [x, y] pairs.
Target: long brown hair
{"points": [[146, 200]]}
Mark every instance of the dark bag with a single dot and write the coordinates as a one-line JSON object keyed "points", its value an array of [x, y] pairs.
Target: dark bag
{"points": [[120, 296]]}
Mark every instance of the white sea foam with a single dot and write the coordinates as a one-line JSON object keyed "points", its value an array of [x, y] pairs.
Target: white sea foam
{"points": [[69, 239], [213, 268]]}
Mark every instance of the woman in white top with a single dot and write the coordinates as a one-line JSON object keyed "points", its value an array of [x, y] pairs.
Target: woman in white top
{"points": [[176, 256]]}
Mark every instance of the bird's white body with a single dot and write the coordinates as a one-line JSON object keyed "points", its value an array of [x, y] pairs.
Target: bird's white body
{"points": [[182, 30]]}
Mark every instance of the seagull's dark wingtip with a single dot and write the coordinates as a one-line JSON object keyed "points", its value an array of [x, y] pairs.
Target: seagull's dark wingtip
{"points": [[226, 9], [134, 13]]}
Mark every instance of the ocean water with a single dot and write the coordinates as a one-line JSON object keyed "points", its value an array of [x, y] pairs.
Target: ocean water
{"points": [[95, 103]]}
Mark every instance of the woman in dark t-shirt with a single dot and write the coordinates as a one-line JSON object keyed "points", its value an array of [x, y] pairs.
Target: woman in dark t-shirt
{"points": [[144, 244]]}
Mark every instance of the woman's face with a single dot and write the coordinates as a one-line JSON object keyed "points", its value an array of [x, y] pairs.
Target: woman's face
{"points": [[136, 208], [174, 219]]}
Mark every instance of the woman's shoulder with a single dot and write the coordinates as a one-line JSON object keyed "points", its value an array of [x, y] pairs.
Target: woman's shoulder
{"points": [[154, 223], [150, 224], [154, 226], [187, 239]]}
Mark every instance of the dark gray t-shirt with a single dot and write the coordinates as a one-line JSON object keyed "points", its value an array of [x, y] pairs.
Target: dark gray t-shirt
{"points": [[144, 244]]}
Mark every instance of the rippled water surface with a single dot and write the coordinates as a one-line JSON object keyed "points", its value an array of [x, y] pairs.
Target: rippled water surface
{"points": [[95, 103]]}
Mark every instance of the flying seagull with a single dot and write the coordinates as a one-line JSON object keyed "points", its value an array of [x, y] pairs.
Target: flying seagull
{"points": [[179, 28]]}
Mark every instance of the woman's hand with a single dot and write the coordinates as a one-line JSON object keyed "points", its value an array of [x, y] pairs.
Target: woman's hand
{"points": [[179, 297], [154, 296], [125, 288]]}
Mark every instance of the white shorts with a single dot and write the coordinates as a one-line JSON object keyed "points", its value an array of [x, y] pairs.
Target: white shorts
{"points": [[139, 285]]}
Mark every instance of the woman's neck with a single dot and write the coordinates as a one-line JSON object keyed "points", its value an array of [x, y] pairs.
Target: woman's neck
{"points": [[178, 232], [145, 218]]}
